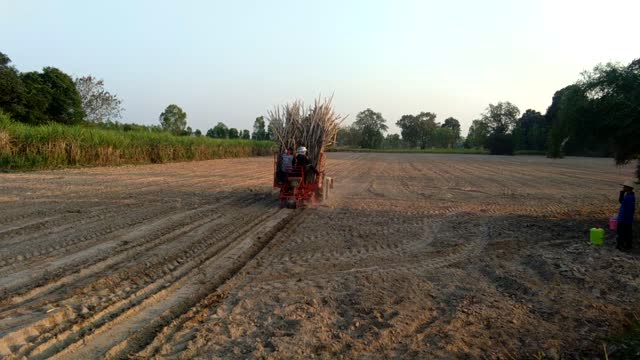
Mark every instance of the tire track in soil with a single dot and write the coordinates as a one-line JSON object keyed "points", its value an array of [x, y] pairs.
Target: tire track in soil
{"points": [[148, 183], [134, 329], [378, 244], [16, 234], [129, 234], [74, 282], [373, 261], [119, 190], [199, 271], [61, 238], [262, 279], [179, 331], [69, 226], [157, 232]]}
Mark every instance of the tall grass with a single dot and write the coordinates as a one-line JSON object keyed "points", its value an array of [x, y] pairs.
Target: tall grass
{"points": [[50, 146]]}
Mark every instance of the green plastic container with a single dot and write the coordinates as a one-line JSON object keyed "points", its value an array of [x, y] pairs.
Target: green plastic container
{"points": [[597, 236]]}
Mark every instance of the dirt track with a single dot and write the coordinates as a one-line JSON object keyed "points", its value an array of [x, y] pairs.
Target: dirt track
{"points": [[413, 256]]}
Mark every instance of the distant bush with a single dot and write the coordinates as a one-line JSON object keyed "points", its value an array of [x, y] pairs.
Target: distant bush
{"points": [[25, 146]]}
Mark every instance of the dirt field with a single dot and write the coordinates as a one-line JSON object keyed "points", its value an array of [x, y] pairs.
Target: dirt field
{"points": [[414, 256]]}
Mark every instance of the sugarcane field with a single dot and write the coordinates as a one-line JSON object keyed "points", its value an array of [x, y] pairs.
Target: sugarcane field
{"points": [[410, 256]]}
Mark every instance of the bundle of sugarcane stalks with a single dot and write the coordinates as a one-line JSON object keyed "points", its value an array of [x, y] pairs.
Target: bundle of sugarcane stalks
{"points": [[316, 128]]}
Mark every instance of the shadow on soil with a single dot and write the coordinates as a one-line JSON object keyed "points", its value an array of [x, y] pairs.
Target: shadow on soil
{"points": [[578, 295]]}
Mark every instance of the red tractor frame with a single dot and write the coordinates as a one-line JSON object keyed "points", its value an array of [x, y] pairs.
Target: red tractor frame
{"points": [[296, 190]]}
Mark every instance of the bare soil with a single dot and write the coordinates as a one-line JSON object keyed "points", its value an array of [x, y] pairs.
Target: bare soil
{"points": [[413, 256]]}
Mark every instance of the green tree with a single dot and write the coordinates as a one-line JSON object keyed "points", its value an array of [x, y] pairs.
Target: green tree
{"points": [[36, 100], [478, 134], [501, 118], [454, 125], [4, 59], [443, 138], [234, 133], [99, 105], [500, 143], [573, 124], [173, 119], [531, 131], [50, 96], [417, 130], [559, 132], [428, 126], [246, 135], [348, 136], [613, 91], [197, 133], [12, 90], [259, 130], [392, 141], [220, 131], [35, 97], [371, 125], [65, 105], [410, 130], [598, 115]]}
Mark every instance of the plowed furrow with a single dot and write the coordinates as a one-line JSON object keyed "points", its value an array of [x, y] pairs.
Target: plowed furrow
{"points": [[167, 268], [132, 329], [65, 239], [180, 327], [142, 237]]}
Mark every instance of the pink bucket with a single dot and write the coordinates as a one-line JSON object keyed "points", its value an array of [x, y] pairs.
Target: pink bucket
{"points": [[613, 223]]}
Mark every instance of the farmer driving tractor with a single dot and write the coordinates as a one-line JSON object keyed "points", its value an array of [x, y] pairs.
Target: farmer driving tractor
{"points": [[303, 161]]}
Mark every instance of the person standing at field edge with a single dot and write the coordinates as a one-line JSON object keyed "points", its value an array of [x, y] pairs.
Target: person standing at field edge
{"points": [[625, 216]]}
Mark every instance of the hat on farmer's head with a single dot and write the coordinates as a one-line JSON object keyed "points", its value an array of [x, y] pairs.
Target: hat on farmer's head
{"points": [[629, 183]]}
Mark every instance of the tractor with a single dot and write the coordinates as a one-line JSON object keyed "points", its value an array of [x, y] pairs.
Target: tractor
{"points": [[299, 188]]}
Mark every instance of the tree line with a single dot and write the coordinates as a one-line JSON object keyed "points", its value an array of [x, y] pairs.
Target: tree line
{"points": [[52, 96], [598, 115], [421, 130], [500, 129]]}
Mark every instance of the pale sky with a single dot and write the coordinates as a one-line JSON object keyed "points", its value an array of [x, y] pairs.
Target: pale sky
{"points": [[231, 61]]}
